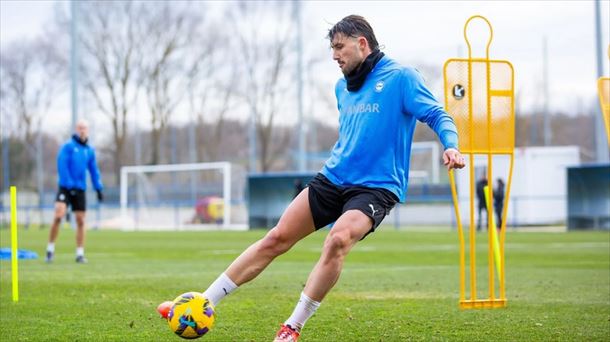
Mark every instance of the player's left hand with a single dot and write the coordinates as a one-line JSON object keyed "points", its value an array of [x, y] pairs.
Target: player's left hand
{"points": [[453, 159], [100, 196]]}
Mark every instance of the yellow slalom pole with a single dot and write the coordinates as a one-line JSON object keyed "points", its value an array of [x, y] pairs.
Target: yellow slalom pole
{"points": [[14, 250], [461, 238], [494, 234]]}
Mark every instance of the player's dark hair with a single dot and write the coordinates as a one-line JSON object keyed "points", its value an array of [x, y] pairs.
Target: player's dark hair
{"points": [[354, 26]]}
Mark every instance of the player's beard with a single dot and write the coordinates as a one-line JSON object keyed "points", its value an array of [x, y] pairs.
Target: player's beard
{"points": [[351, 70], [356, 77]]}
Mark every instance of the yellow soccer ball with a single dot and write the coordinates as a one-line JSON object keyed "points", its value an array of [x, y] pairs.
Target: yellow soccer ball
{"points": [[191, 316]]}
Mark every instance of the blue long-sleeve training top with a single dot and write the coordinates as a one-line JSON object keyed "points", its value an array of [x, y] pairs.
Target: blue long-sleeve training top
{"points": [[74, 159], [376, 125]]}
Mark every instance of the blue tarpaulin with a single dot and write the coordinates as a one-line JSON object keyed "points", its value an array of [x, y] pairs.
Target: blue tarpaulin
{"points": [[5, 254]]}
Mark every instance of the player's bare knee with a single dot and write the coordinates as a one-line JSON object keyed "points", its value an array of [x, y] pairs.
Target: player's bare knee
{"points": [[275, 243], [59, 213], [80, 222], [338, 242]]}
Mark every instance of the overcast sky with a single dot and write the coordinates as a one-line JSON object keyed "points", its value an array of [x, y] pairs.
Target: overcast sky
{"points": [[430, 32]]}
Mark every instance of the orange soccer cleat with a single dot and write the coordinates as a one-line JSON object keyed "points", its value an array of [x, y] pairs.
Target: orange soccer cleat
{"points": [[286, 334], [164, 308]]}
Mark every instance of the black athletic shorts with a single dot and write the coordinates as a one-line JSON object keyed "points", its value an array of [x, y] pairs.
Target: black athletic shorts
{"points": [[74, 198], [329, 201]]}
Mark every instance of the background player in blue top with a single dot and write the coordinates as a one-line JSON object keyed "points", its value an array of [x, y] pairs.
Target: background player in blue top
{"points": [[75, 158], [379, 102]]}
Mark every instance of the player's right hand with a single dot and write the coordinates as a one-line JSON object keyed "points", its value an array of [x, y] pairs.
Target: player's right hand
{"points": [[453, 159]]}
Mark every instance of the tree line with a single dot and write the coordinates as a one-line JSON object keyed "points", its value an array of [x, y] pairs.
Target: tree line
{"points": [[230, 66], [216, 62]]}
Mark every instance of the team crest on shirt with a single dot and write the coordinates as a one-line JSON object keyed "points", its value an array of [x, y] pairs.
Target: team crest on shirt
{"points": [[379, 86]]}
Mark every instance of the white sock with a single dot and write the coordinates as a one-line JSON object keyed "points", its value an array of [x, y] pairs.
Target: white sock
{"points": [[220, 288], [51, 247], [80, 251], [305, 308]]}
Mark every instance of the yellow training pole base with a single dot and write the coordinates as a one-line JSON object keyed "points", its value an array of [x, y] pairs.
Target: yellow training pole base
{"points": [[483, 304]]}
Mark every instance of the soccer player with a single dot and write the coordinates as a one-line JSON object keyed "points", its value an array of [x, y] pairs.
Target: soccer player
{"points": [[499, 201], [75, 157], [379, 102], [482, 202]]}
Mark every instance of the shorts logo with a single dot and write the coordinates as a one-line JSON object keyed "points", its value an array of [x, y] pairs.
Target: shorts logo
{"points": [[373, 209], [62, 197]]}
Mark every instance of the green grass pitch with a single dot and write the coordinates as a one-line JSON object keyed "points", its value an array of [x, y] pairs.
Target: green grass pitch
{"points": [[396, 286]]}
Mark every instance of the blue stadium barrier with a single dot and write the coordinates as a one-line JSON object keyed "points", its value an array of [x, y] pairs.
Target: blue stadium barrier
{"points": [[270, 193], [589, 197]]}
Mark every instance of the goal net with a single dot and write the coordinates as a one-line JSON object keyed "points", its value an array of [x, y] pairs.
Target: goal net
{"points": [[179, 197], [424, 163]]}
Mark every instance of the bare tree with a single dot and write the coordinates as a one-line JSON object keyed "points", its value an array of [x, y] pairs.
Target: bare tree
{"points": [[111, 36], [212, 94], [168, 68], [212, 106], [264, 55], [32, 75]]}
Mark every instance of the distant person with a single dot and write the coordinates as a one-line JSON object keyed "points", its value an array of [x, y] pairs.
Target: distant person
{"points": [[379, 103], [481, 201], [499, 201], [298, 187], [75, 158]]}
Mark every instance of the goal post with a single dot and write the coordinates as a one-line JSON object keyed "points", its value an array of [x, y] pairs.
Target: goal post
{"points": [[223, 167]]}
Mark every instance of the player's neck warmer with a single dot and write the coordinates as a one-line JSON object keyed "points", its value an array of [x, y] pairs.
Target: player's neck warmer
{"points": [[77, 138], [356, 78]]}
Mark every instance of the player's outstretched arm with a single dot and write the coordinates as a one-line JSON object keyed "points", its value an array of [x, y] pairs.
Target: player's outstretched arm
{"points": [[453, 159]]}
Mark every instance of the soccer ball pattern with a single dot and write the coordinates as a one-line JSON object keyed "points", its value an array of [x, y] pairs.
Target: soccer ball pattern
{"points": [[191, 316]]}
